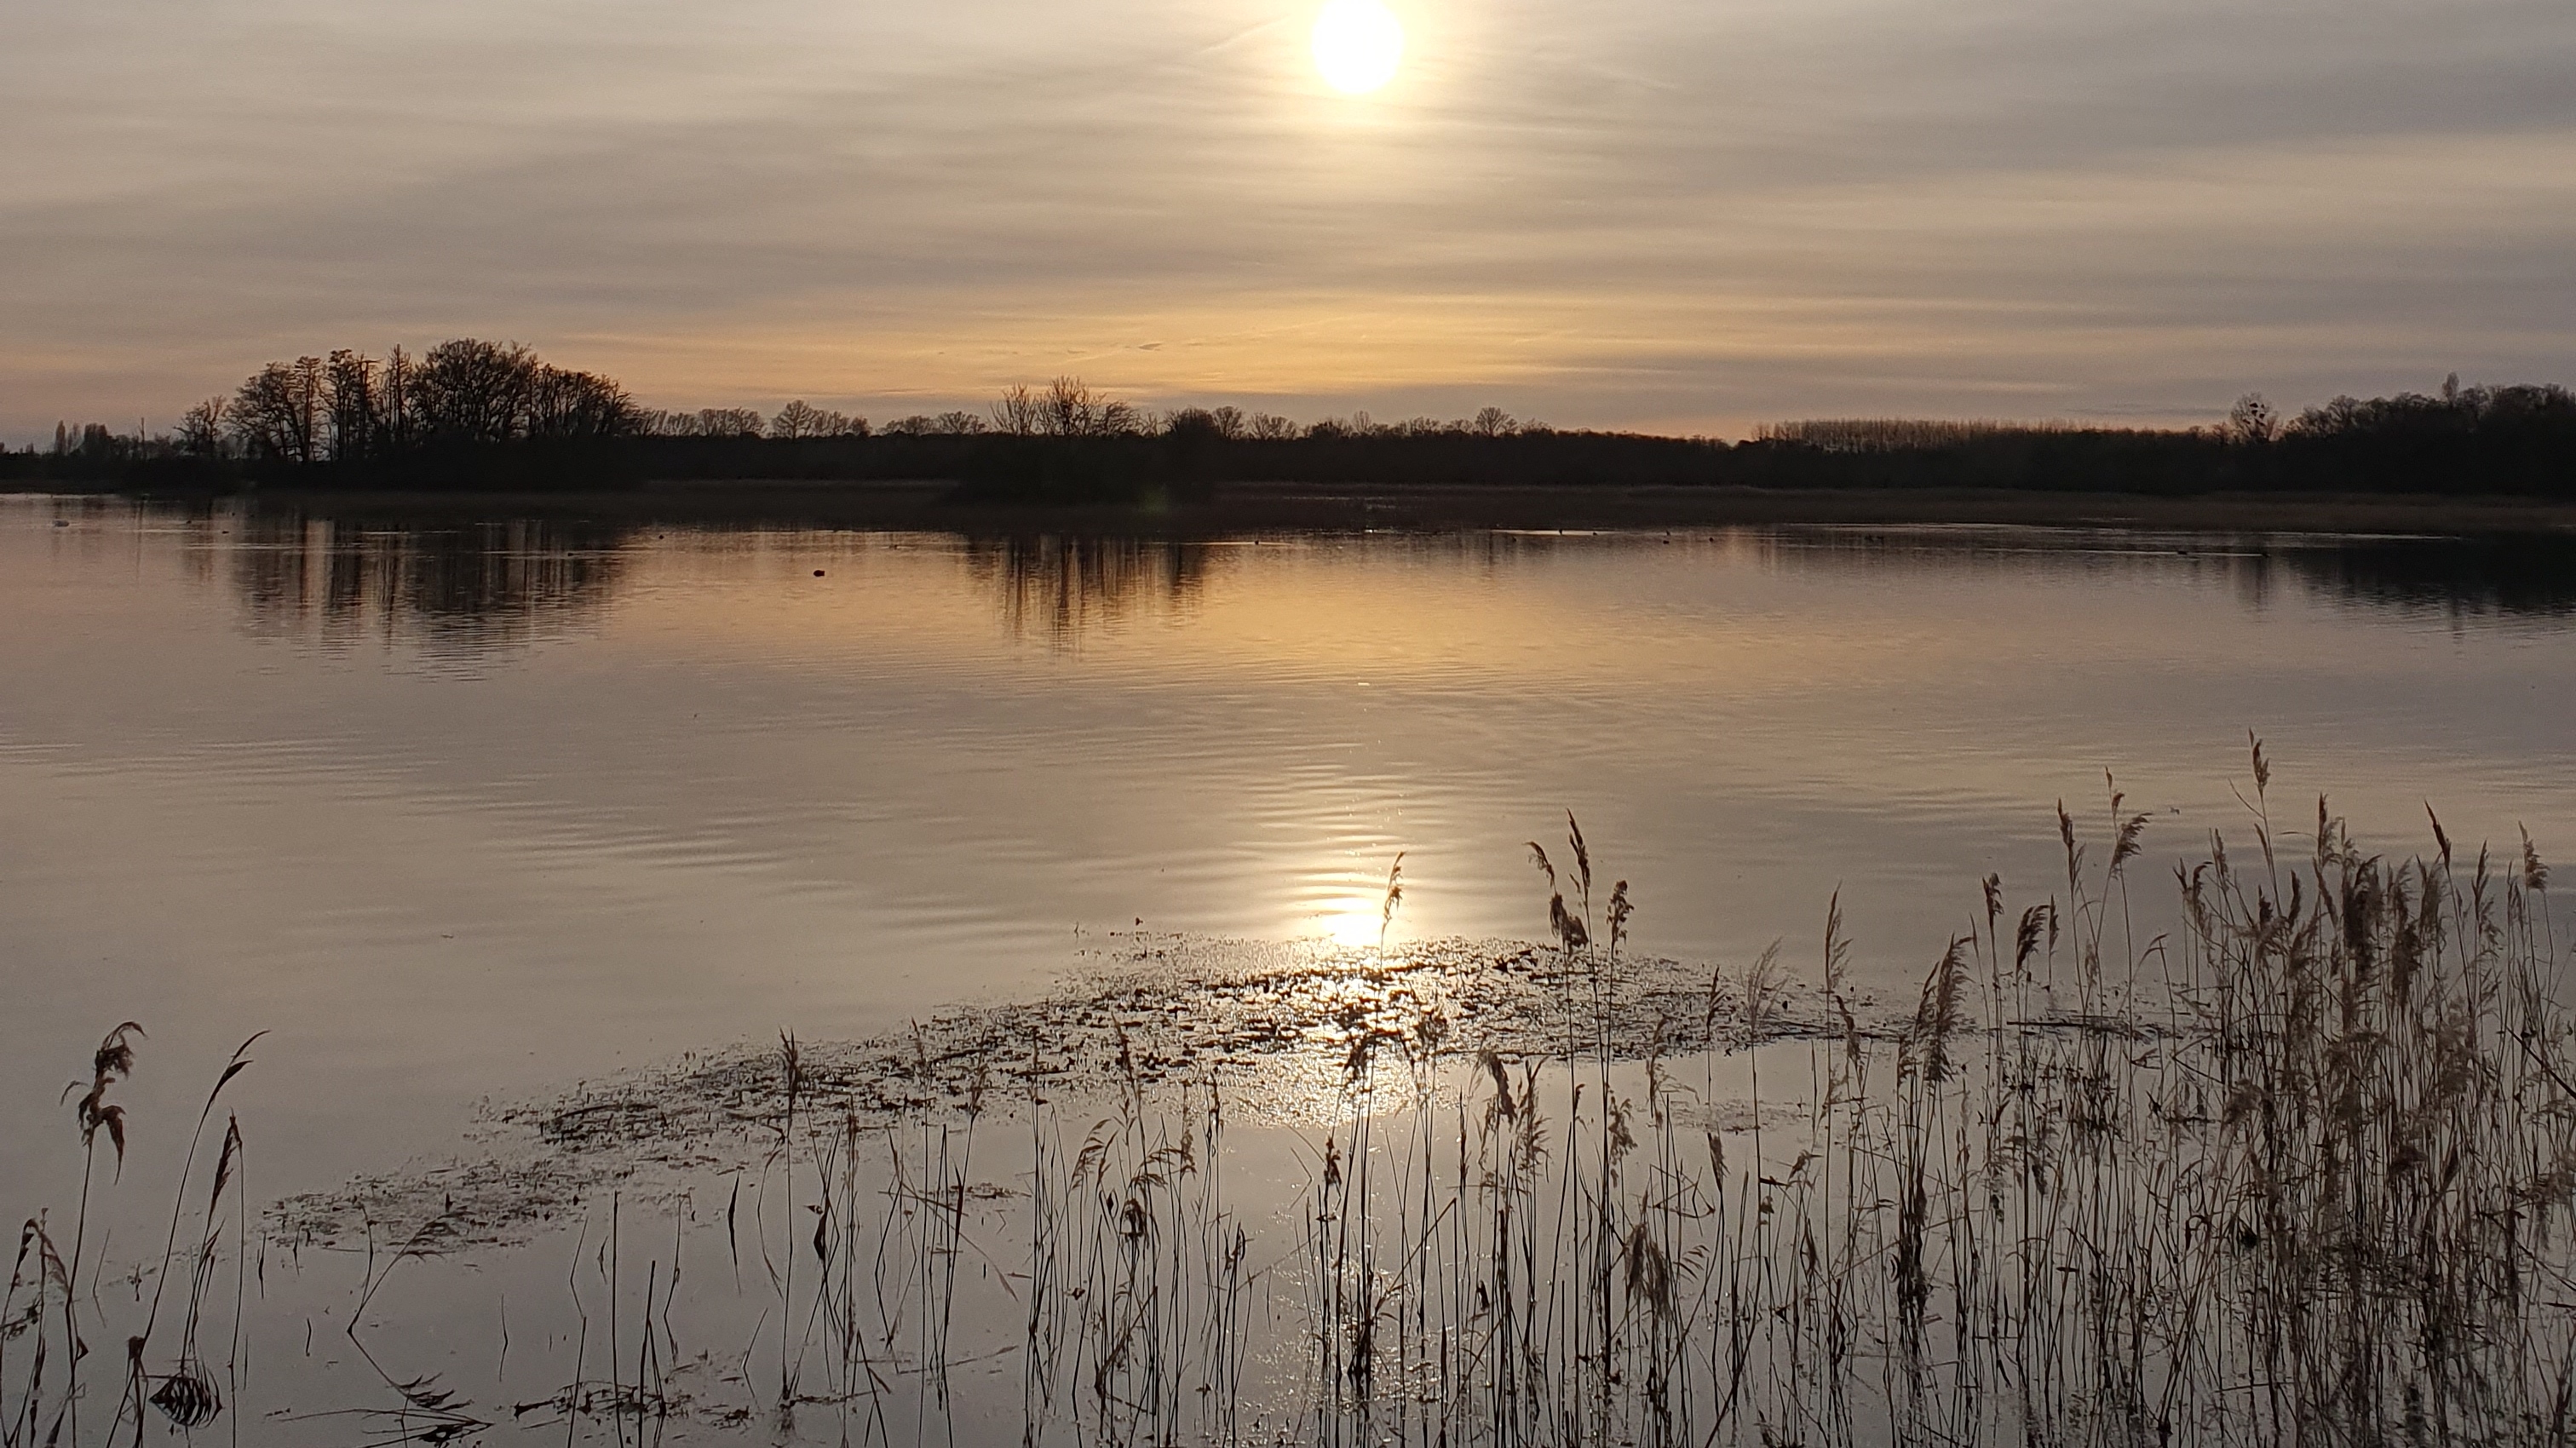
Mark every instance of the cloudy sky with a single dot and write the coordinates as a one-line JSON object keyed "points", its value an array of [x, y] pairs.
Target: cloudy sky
{"points": [[1682, 214]]}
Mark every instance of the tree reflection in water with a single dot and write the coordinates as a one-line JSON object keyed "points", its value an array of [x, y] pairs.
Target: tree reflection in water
{"points": [[461, 589], [1061, 585], [2521, 576]]}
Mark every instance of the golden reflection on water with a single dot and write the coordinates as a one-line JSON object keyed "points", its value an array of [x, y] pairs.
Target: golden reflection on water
{"points": [[493, 585], [1337, 694], [555, 797], [1346, 917]]}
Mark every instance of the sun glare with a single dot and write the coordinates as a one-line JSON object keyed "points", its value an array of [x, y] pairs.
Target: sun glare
{"points": [[1357, 45], [1353, 922]]}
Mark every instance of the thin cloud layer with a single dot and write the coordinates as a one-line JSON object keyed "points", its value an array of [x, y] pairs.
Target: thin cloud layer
{"points": [[1639, 213]]}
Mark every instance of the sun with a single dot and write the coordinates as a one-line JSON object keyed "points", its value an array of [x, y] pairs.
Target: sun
{"points": [[1357, 45]]}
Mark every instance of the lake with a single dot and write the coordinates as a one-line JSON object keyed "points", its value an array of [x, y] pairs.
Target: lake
{"points": [[473, 814]]}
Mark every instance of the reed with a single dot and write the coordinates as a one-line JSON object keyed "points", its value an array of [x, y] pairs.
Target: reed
{"points": [[2316, 1192], [2298, 1174], [50, 1295]]}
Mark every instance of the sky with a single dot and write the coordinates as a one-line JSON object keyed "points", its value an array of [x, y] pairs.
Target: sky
{"points": [[1681, 215]]}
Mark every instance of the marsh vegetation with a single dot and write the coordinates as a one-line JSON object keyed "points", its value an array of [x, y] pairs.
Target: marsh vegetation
{"points": [[2299, 1171]]}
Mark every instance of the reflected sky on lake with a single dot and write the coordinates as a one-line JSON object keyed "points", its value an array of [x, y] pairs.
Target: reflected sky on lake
{"points": [[483, 809]]}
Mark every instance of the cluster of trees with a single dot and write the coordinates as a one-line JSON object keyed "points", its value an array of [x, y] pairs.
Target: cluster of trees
{"points": [[946, 424], [1892, 434], [1067, 407], [2455, 411], [1068, 442], [2517, 439], [796, 420], [352, 410]]}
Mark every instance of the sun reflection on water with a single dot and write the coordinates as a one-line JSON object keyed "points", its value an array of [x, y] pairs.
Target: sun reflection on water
{"points": [[1351, 921]]}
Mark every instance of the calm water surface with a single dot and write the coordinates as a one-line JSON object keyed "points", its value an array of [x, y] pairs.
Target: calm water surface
{"points": [[487, 811]]}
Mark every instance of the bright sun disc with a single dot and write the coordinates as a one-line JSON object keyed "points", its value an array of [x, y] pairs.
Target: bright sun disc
{"points": [[1357, 45]]}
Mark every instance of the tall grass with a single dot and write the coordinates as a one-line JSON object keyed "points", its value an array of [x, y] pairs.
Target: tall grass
{"points": [[2316, 1192], [51, 1304], [2299, 1173]]}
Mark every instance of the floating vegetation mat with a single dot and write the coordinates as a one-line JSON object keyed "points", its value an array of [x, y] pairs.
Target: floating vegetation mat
{"points": [[1275, 1024]]}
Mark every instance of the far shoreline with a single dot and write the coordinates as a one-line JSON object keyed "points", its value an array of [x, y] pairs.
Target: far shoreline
{"points": [[930, 506]]}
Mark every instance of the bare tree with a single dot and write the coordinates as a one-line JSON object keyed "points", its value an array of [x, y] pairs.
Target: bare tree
{"points": [[2252, 420], [957, 424], [277, 411], [1228, 422], [201, 428], [475, 392], [802, 419], [797, 419], [1271, 427], [311, 402], [1492, 422], [566, 404], [401, 398], [352, 406], [1016, 412], [1068, 409], [260, 416]]}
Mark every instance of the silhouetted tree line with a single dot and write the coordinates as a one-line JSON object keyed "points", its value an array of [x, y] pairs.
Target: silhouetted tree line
{"points": [[462, 408], [2473, 440], [474, 414]]}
